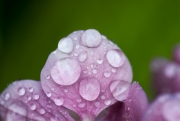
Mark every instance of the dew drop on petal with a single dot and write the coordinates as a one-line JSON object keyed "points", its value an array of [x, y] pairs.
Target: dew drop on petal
{"points": [[97, 104], [91, 38], [107, 74], [21, 91], [39, 118], [7, 96], [48, 94], [89, 89], [33, 106], [58, 101], [66, 71], [82, 105], [65, 45], [115, 58], [77, 46], [107, 102], [113, 70], [31, 89], [42, 111], [99, 61], [82, 56], [36, 96], [120, 89], [29, 98]]}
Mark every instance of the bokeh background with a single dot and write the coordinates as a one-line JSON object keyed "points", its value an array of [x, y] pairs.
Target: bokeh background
{"points": [[30, 30]]}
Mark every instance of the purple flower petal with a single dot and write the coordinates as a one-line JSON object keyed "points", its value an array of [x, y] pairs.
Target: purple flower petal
{"points": [[132, 109], [165, 76], [85, 72], [165, 108], [25, 100]]}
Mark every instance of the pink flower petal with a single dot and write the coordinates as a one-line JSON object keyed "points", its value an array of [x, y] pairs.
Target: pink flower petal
{"points": [[79, 72], [25, 100]]}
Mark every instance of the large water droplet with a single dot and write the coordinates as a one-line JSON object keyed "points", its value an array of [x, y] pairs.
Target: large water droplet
{"points": [[120, 89], [65, 45], [7, 96], [89, 89], [66, 71], [107, 74], [21, 91], [115, 57], [91, 38], [59, 101], [83, 56], [33, 106]]}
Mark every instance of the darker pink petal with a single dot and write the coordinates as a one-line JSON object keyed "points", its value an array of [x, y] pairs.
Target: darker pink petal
{"points": [[165, 108], [25, 101], [86, 73], [132, 109]]}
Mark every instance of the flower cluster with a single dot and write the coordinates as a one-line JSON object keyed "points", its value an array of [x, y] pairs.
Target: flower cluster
{"points": [[89, 78]]}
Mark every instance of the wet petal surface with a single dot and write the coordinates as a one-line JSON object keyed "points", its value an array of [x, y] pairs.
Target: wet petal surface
{"points": [[25, 100], [80, 80]]}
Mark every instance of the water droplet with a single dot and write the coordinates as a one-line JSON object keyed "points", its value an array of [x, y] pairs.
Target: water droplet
{"points": [[130, 100], [66, 90], [48, 94], [99, 61], [65, 45], [91, 38], [107, 102], [94, 71], [77, 46], [66, 71], [115, 58], [55, 52], [52, 89], [97, 104], [42, 111], [107, 74], [7, 96], [31, 89], [120, 89], [78, 100], [36, 96], [103, 97], [113, 70], [103, 37], [59, 101], [89, 89], [82, 56], [82, 105], [39, 118], [29, 98], [48, 77], [128, 108], [75, 54], [21, 91], [33, 106], [49, 106]]}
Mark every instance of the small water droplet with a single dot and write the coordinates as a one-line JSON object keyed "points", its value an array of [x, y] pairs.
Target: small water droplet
{"points": [[103, 97], [97, 104], [77, 46], [82, 56], [29, 98], [49, 106], [107, 74], [52, 89], [107, 102], [59, 101], [113, 70], [75, 38], [48, 94], [94, 71], [31, 89], [82, 105], [66, 90], [36, 96], [78, 100], [21, 91], [42, 111], [7, 96], [33, 107], [99, 61], [48, 77], [85, 72], [128, 108], [130, 100], [75, 54]]}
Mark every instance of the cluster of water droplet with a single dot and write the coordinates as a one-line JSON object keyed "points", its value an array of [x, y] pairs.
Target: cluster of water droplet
{"points": [[86, 73], [26, 100]]}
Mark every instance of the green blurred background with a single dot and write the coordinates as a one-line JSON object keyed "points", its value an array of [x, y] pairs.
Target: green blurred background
{"points": [[30, 30]]}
